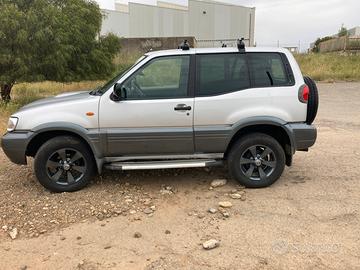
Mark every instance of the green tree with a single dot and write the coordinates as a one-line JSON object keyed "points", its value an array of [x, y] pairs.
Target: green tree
{"points": [[342, 31], [52, 40]]}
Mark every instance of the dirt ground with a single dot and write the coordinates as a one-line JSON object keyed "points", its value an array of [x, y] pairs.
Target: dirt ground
{"points": [[309, 219]]}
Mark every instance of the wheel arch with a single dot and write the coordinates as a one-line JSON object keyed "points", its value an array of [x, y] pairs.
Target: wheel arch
{"points": [[46, 132], [271, 126]]}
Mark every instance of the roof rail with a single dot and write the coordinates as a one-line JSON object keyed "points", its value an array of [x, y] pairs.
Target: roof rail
{"points": [[241, 45], [184, 45]]}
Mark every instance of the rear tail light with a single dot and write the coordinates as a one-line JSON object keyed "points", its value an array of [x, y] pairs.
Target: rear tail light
{"points": [[304, 93]]}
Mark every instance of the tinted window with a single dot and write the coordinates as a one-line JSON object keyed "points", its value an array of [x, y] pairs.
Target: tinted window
{"points": [[164, 77], [221, 73], [267, 69]]}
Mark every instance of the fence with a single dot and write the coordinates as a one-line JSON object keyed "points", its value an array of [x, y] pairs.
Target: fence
{"points": [[340, 44]]}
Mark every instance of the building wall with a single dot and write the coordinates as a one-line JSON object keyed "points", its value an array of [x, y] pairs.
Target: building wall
{"points": [[153, 21], [354, 32], [211, 21], [202, 19], [115, 22]]}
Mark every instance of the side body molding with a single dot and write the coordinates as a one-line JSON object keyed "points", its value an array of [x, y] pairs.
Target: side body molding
{"points": [[218, 137]]}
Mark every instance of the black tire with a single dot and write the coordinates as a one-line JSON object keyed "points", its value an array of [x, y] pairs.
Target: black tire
{"points": [[241, 160], [313, 102], [64, 164]]}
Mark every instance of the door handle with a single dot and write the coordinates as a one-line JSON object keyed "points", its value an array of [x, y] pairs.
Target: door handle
{"points": [[182, 107]]}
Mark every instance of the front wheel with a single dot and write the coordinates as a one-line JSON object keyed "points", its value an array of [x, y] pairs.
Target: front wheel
{"points": [[256, 160], [64, 164]]}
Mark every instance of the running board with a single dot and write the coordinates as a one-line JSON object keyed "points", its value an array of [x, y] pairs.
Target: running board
{"points": [[163, 164]]}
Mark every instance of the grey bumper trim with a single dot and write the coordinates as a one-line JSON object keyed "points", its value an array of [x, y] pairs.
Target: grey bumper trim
{"points": [[303, 135], [14, 145]]}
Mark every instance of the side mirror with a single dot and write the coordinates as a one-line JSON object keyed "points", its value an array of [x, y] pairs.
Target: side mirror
{"points": [[119, 93]]}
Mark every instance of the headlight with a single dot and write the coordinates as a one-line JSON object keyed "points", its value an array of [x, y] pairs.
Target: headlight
{"points": [[12, 124]]}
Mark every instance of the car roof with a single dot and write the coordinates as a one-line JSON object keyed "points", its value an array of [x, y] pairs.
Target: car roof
{"points": [[214, 50]]}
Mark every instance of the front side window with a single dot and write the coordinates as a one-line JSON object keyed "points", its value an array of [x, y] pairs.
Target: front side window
{"points": [[267, 69], [163, 77], [221, 73]]}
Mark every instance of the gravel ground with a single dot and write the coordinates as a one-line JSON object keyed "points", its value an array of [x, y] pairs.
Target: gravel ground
{"points": [[160, 219]]}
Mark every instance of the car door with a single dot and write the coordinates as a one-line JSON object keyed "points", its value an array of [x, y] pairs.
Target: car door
{"points": [[156, 117]]}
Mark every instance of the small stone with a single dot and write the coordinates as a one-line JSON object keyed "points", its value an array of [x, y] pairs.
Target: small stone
{"points": [[78, 238], [62, 238], [218, 183], [132, 212], [243, 198], [5, 228], [107, 247], [226, 214], [137, 235], [212, 210], [148, 211], [153, 207], [235, 196], [201, 215], [13, 233], [24, 267], [167, 232], [225, 204], [211, 244]]}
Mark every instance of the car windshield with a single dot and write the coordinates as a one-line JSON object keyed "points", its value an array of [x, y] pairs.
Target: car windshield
{"points": [[102, 89]]}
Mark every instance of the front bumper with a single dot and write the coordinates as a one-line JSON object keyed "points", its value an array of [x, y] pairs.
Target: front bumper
{"points": [[302, 135], [14, 145]]}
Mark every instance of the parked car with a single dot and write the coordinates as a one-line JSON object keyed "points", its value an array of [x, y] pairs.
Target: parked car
{"points": [[247, 109]]}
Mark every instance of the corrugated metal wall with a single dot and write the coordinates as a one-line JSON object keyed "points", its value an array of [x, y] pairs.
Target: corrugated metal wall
{"points": [[203, 20]]}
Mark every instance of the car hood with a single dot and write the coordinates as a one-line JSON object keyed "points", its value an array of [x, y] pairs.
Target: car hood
{"points": [[66, 97]]}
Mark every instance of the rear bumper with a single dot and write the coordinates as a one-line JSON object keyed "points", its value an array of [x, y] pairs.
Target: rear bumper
{"points": [[14, 145], [303, 136]]}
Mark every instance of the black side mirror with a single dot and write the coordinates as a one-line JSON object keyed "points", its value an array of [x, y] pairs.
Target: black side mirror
{"points": [[119, 93]]}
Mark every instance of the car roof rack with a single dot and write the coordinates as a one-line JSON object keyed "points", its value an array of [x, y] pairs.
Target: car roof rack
{"points": [[241, 45], [184, 45]]}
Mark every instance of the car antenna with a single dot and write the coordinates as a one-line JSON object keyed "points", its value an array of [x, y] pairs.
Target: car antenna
{"points": [[241, 45], [184, 45]]}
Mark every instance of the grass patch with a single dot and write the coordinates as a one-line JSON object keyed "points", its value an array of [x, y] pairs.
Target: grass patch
{"points": [[330, 66]]}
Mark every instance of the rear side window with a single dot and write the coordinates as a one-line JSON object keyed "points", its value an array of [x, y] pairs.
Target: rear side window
{"points": [[267, 70], [221, 73]]}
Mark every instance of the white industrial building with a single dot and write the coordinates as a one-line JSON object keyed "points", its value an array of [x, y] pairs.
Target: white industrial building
{"points": [[208, 21]]}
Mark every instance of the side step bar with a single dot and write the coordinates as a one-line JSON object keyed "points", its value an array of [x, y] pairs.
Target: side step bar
{"points": [[163, 164]]}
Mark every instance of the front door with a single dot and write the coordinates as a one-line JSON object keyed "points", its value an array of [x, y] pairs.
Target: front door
{"points": [[156, 116]]}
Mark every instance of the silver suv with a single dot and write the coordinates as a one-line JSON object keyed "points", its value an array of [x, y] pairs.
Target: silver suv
{"points": [[250, 110]]}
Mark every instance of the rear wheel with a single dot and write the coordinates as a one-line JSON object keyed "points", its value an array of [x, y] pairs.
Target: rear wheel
{"points": [[256, 160], [64, 164]]}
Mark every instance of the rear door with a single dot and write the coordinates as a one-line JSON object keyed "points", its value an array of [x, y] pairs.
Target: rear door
{"points": [[156, 118]]}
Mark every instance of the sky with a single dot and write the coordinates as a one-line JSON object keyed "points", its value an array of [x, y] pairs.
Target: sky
{"points": [[289, 22]]}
